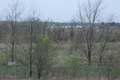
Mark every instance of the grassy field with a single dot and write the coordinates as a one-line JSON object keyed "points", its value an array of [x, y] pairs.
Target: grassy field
{"points": [[69, 64]]}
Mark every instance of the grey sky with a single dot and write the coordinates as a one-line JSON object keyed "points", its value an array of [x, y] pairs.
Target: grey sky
{"points": [[64, 10]]}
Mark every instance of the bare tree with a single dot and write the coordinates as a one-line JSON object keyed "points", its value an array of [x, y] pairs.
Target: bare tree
{"points": [[105, 35], [87, 16], [13, 14], [72, 27]]}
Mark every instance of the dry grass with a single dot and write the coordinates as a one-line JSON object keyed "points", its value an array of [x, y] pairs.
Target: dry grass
{"points": [[63, 51]]}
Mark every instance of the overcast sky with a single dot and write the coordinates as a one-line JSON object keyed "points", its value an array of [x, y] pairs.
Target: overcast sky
{"points": [[63, 10]]}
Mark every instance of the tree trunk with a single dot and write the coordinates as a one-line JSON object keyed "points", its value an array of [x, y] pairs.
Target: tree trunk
{"points": [[71, 34], [31, 41], [30, 66], [12, 55], [12, 42], [30, 72], [89, 57], [39, 73]]}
